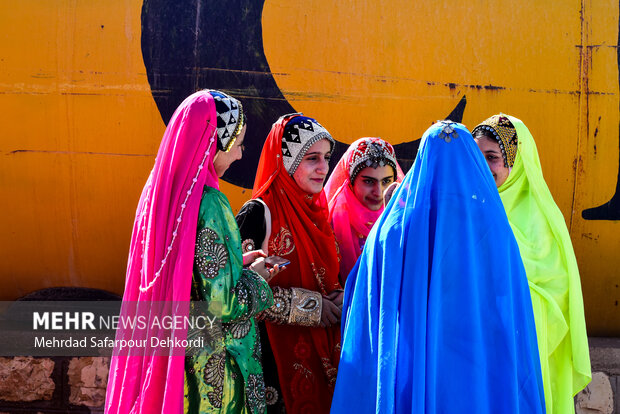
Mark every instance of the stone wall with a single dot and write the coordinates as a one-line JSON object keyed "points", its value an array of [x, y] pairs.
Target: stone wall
{"points": [[77, 385], [53, 385], [602, 395]]}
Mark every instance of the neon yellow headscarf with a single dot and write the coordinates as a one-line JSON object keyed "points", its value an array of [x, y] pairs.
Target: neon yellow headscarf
{"points": [[553, 276]]}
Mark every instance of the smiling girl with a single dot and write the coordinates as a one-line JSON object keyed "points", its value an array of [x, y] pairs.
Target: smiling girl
{"points": [[288, 217]]}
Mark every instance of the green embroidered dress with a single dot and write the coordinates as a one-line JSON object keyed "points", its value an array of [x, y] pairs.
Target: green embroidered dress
{"points": [[226, 375]]}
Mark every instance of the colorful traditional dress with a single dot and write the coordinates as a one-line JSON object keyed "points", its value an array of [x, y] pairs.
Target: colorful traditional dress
{"points": [[226, 377], [350, 219], [185, 226], [550, 264], [437, 315], [293, 224]]}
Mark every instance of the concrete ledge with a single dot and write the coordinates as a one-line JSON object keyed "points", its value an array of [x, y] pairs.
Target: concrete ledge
{"points": [[605, 355]]}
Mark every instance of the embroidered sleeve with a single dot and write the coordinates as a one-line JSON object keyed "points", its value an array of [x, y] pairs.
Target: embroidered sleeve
{"points": [[281, 309], [253, 292], [231, 292], [294, 306]]}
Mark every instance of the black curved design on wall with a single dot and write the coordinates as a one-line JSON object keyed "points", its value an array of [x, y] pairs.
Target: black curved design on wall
{"points": [[189, 45], [611, 209]]}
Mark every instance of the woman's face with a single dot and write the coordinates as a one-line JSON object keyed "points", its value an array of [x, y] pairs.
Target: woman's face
{"points": [[311, 173], [223, 160], [370, 184], [493, 156]]}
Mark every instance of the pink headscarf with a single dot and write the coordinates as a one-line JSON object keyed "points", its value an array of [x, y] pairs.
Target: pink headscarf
{"points": [[350, 219], [161, 256]]}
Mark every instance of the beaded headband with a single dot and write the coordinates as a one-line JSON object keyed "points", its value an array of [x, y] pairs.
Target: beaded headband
{"points": [[300, 133], [230, 119], [371, 152], [500, 128]]}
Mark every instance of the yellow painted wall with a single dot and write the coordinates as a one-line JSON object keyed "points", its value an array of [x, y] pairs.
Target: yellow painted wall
{"points": [[81, 128]]}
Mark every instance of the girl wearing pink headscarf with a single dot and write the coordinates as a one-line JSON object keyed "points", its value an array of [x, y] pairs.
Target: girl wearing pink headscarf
{"points": [[186, 246], [355, 195]]}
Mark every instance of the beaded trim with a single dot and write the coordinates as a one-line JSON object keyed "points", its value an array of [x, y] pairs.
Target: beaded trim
{"points": [[179, 219], [371, 153], [305, 307], [240, 125], [280, 311], [298, 136], [229, 113], [500, 128], [306, 147]]}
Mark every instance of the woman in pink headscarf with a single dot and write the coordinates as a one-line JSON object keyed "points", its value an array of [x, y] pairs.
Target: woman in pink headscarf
{"points": [[355, 195], [186, 246]]}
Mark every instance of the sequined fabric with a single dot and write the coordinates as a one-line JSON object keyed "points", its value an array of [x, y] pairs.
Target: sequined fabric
{"points": [[230, 119], [226, 375], [500, 128], [371, 152]]}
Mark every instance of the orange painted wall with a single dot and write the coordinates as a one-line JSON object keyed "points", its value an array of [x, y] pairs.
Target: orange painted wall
{"points": [[81, 128]]}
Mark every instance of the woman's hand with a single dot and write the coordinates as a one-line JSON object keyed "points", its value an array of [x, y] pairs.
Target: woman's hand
{"points": [[330, 313], [267, 273], [251, 256], [337, 297], [387, 194]]}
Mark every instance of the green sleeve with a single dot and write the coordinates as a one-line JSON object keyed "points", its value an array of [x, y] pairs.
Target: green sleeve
{"points": [[231, 292]]}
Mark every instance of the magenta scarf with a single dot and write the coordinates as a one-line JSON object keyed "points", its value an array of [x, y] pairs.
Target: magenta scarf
{"points": [[161, 255], [350, 219]]}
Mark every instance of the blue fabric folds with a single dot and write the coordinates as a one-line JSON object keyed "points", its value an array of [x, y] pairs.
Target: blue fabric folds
{"points": [[437, 311]]}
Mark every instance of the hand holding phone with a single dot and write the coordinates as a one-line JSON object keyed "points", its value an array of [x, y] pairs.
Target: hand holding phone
{"points": [[271, 261]]}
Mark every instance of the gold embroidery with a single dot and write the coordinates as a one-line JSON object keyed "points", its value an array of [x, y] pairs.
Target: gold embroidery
{"points": [[330, 372], [500, 127], [302, 370], [319, 275], [294, 306], [280, 311], [282, 243], [305, 307], [337, 246]]}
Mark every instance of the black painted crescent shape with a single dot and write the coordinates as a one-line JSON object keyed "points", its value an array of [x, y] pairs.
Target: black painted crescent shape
{"points": [[611, 209], [189, 45]]}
